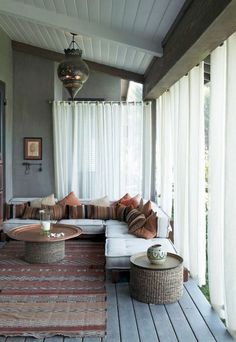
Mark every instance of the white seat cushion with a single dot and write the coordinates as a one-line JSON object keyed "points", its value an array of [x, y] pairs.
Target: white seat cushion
{"points": [[118, 231], [114, 222], [118, 251], [88, 226]]}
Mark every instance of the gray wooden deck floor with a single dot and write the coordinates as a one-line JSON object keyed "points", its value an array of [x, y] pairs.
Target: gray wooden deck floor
{"points": [[190, 319]]}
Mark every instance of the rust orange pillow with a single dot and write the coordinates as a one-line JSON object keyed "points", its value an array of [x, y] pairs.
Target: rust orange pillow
{"points": [[124, 198], [70, 199], [147, 208], [132, 202], [120, 201]]}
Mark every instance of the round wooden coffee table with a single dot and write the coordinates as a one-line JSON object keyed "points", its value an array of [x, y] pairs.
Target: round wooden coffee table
{"points": [[39, 248], [156, 284]]}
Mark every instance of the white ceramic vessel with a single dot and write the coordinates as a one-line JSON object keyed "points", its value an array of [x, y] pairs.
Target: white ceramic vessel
{"points": [[156, 254]]}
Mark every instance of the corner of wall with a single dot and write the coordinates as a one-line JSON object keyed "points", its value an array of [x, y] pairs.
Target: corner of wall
{"points": [[6, 75]]}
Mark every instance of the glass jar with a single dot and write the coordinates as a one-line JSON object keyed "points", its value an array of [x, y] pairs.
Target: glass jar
{"points": [[45, 221]]}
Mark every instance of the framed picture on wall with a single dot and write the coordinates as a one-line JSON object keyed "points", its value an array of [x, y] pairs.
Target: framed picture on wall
{"points": [[33, 148]]}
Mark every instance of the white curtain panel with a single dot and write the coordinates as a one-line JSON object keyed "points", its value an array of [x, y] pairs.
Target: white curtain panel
{"points": [[102, 148], [230, 190], [216, 175], [187, 112], [180, 94], [196, 176], [164, 173], [222, 183], [62, 118], [147, 151]]}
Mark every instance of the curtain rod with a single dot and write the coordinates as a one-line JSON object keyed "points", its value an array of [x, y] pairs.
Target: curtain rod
{"points": [[146, 102]]}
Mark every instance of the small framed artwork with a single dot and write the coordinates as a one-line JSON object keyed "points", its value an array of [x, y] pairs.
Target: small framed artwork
{"points": [[33, 148]]}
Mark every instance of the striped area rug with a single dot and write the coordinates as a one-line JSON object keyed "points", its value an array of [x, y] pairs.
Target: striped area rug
{"points": [[41, 300]]}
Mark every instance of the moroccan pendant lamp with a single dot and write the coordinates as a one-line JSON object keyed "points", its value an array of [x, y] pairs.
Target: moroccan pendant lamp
{"points": [[73, 71]]}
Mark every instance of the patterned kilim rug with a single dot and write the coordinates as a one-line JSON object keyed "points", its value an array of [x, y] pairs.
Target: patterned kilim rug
{"points": [[67, 298]]}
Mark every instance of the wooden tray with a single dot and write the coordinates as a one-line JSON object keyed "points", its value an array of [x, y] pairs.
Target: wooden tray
{"points": [[141, 260], [33, 233]]}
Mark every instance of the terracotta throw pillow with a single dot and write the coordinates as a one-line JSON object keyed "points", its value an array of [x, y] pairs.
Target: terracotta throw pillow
{"points": [[70, 199], [124, 198], [147, 208], [120, 201], [132, 202], [149, 230]]}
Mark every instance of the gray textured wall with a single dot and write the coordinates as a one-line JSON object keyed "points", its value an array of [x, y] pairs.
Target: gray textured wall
{"points": [[34, 84], [6, 75], [33, 87]]}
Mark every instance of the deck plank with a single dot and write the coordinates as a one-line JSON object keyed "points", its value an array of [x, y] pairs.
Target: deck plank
{"points": [[195, 319], [211, 318], [92, 339], [72, 339], [113, 329], [33, 339], [128, 326], [3, 338], [56, 338], [162, 323], [16, 339], [145, 323], [179, 322]]}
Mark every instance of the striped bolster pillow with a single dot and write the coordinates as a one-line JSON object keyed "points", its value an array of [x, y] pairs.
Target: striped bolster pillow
{"points": [[57, 211], [102, 213], [31, 213], [77, 211], [15, 210]]}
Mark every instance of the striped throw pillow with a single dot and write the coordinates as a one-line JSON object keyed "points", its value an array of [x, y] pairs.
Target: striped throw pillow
{"points": [[121, 212], [135, 220], [149, 230]]}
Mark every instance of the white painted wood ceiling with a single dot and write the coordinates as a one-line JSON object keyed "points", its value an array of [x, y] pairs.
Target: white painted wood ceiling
{"points": [[125, 34]]}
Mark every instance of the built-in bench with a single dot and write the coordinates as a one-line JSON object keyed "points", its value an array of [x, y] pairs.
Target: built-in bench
{"points": [[119, 244]]}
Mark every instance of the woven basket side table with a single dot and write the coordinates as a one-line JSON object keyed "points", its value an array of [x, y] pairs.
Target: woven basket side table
{"points": [[44, 253], [156, 284]]}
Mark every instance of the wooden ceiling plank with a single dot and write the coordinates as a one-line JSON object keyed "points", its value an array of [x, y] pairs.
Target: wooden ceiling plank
{"points": [[57, 57], [204, 25], [84, 27]]}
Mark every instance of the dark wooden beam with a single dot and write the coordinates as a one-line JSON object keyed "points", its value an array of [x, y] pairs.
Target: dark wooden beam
{"points": [[203, 26], [57, 57]]}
